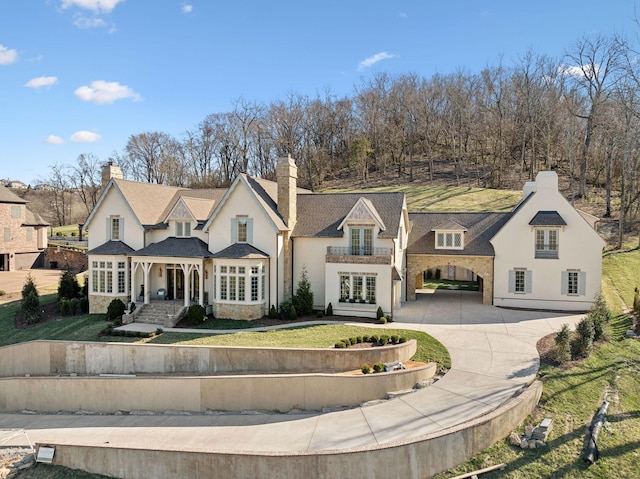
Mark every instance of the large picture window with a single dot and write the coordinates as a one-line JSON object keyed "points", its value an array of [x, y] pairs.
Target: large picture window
{"points": [[234, 280], [102, 277], [357, 287]]}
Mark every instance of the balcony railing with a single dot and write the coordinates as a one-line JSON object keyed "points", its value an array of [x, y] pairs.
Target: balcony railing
{"points": [[547, 253], [349, 251]]}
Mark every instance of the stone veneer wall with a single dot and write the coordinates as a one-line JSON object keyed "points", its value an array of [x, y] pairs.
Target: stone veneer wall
{"points": [[76, 260], [239, 310], [98, 303]]}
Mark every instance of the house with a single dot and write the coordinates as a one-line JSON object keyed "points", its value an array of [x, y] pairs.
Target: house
{"points": [[239, 251], [24, 233], [542, 255]]}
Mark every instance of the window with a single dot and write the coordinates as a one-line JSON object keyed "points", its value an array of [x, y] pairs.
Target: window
{"points": [[520, 281], [15, 212], [234, 281], [102, 277], [362, 241], [7, 234], [29, 234], [449, 240], [122, 277], [574, 282], [547, 243], [183, 229], [360, 287], [241, 229], [115, 228]]}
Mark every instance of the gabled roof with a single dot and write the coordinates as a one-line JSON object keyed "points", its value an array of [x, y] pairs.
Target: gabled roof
{"points": [[8, 196], [480, 228], [320, 214], [147, 200], [449, 225], [112, 248], [200, 202], [176, 248], [547, 218], [240, 251], [363, 209], [33, 219]]}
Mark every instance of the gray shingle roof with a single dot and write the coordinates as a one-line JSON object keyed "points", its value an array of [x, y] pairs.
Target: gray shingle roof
{"points": [[449, 225], [240, 251], [111, 248], [320, 214], [480, 228], [176, 248], [547, 218]]}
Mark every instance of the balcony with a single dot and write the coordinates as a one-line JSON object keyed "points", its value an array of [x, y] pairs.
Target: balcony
{"points": [[346, 254], [546, 252]]}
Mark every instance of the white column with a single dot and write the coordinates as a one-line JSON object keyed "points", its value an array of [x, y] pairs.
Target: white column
{"points": [[132, 272], [200, 269], [186, 269], [146, 266]]}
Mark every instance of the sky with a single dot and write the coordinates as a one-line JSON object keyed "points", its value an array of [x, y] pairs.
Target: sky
{"points": [[82, 76]]}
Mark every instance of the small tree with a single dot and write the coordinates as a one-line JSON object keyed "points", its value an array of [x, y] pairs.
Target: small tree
{"points": [[303, 299], [30, 302], [582, 344], [599, 315], [68, 287], [563, 343]]}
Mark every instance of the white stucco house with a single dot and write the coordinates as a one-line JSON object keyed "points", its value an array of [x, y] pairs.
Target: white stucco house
{"points": [[241, 250]]}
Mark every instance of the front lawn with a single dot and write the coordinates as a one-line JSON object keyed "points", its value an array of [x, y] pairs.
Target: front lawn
{"points": [[450, 284]]}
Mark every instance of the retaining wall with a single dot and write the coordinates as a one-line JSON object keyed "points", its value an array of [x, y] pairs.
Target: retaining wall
{"points": [[64, 357], [416, 458]]}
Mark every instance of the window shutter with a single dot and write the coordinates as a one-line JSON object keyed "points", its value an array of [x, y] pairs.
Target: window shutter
{"points": [[565, 283], [512, 281], [108, 229], [234, 230], [249, 230], [528, 276], [582, 283]]}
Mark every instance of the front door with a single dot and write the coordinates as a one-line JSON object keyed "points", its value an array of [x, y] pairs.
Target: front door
{"points": [[175, 282]]}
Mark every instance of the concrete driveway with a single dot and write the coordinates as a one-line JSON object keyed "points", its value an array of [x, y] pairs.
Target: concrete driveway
{"points": [[11, 282]]}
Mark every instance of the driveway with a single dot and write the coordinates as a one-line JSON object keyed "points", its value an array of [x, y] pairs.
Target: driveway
{"points": [[11, 282], [493, 356]]}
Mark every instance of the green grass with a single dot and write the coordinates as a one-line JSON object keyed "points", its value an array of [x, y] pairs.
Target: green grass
{"points": [[621, 275], [450, 198], [68, 230], [449, 284]]}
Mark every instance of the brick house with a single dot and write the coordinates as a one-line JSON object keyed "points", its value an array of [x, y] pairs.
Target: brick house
{"points": [[24, 233]]}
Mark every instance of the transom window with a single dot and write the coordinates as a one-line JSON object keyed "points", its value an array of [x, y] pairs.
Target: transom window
{"points": [[362, 241], [449, 240], [183, 229], [546, 243]]}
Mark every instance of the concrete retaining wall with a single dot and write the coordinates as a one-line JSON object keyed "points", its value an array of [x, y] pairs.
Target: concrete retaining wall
{"points": [[418, 458], [63, 357], [199, 394]]}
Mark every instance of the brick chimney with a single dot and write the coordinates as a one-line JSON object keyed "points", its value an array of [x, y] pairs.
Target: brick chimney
{"points": [[287, 176]]}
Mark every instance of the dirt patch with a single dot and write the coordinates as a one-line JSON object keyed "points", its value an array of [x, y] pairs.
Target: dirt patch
{"points": [[546, 350]]}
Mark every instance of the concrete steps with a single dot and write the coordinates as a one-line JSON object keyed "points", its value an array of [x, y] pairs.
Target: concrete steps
{"points": [[157, 312]]}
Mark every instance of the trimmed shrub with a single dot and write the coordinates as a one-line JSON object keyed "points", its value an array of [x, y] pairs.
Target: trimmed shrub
{"points": [[31, 302], [159, 331], [379, 312], [329, 309], [402, 339], [366, 369], [384, 339], [563, 344], [582, 344], [68, 307], [374, 338], [319, 314], [382, 320], [353, 340], [358, 339], [303, 299], [2, 292], [115, 310], [365, 338], [273, 314], [599, 315], [394, 338], [285, 310], [340, 345], [196, 314], [378, 367]]}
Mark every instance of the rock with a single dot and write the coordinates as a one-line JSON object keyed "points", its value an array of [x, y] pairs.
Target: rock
{"points": [[630, 333], [514, 439], [524, 444], [528, 431], [423, 384], [532, 444], [539, 443]]}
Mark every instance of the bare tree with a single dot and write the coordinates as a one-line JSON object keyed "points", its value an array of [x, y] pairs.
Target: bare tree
{"points": [[86, 178]]}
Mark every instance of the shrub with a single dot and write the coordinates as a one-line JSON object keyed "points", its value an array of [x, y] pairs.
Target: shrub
{"points": [[582, 344], [196, 314], [68, 307], [378, 367], [319, 314], [159, 331], [389, 318], [379, 312], [30, 302], [303, 299], [365, 338], [115, 310], [68, 286], [366, 369], [340, 345], [2, 292], [563, 344], [374, 338], [394, 338], [293, 313], [384, 339], [382, 320], [636, 300], [353, 340], [273, 314], [599, 315], [329, 309], [402, 339], [285, 309], [358, 339]]}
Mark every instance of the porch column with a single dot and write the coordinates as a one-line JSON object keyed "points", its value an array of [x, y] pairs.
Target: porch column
{"points": [[186, 269], [132, 273], [146, 266], [200, 269]]}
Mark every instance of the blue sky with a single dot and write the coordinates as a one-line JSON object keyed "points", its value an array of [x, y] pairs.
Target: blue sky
{"points": [[81, 76]]}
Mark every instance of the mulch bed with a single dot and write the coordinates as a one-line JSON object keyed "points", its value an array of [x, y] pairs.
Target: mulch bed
{"points": [[266, 321], [49, 313]]}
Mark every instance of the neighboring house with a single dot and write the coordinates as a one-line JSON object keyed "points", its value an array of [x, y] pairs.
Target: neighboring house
{"points": [[543, 255], [24, 233], [241, 250]]}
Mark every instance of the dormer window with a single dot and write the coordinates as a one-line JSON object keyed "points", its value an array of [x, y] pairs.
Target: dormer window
{"points": [[449, 240], [362, 241], [183, 229]]}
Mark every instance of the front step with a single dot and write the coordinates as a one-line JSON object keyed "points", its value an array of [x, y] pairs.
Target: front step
{"points": [[157, 312]]}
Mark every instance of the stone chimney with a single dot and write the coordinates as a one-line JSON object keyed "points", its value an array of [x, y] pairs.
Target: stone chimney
{"points": [[287, 177], [110, 170]]}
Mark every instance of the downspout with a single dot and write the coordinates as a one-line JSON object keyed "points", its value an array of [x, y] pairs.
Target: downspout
{"points": [[277, 277], [393, 265]]}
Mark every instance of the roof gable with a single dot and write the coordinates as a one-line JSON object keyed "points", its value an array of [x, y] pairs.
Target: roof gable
{"points": [[8, 196], [363, 210], [180, 211], [547, 218]]}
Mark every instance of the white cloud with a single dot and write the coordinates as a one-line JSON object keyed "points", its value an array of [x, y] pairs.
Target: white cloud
{"points": [[54, 140], [85, 23], [187, 8], [578, 71], [98, 6], [367, 62], [103, 92], [41, 82], [84, 136], [7, 55]]}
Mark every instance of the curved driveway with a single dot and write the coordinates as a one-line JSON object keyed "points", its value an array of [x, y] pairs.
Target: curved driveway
{"points": [[493, 356]]}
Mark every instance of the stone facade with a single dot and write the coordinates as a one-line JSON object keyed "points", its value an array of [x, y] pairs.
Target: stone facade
{"points": [[287, 175], [239, 310], [62, 258], [98, 304], [481, 265]]}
